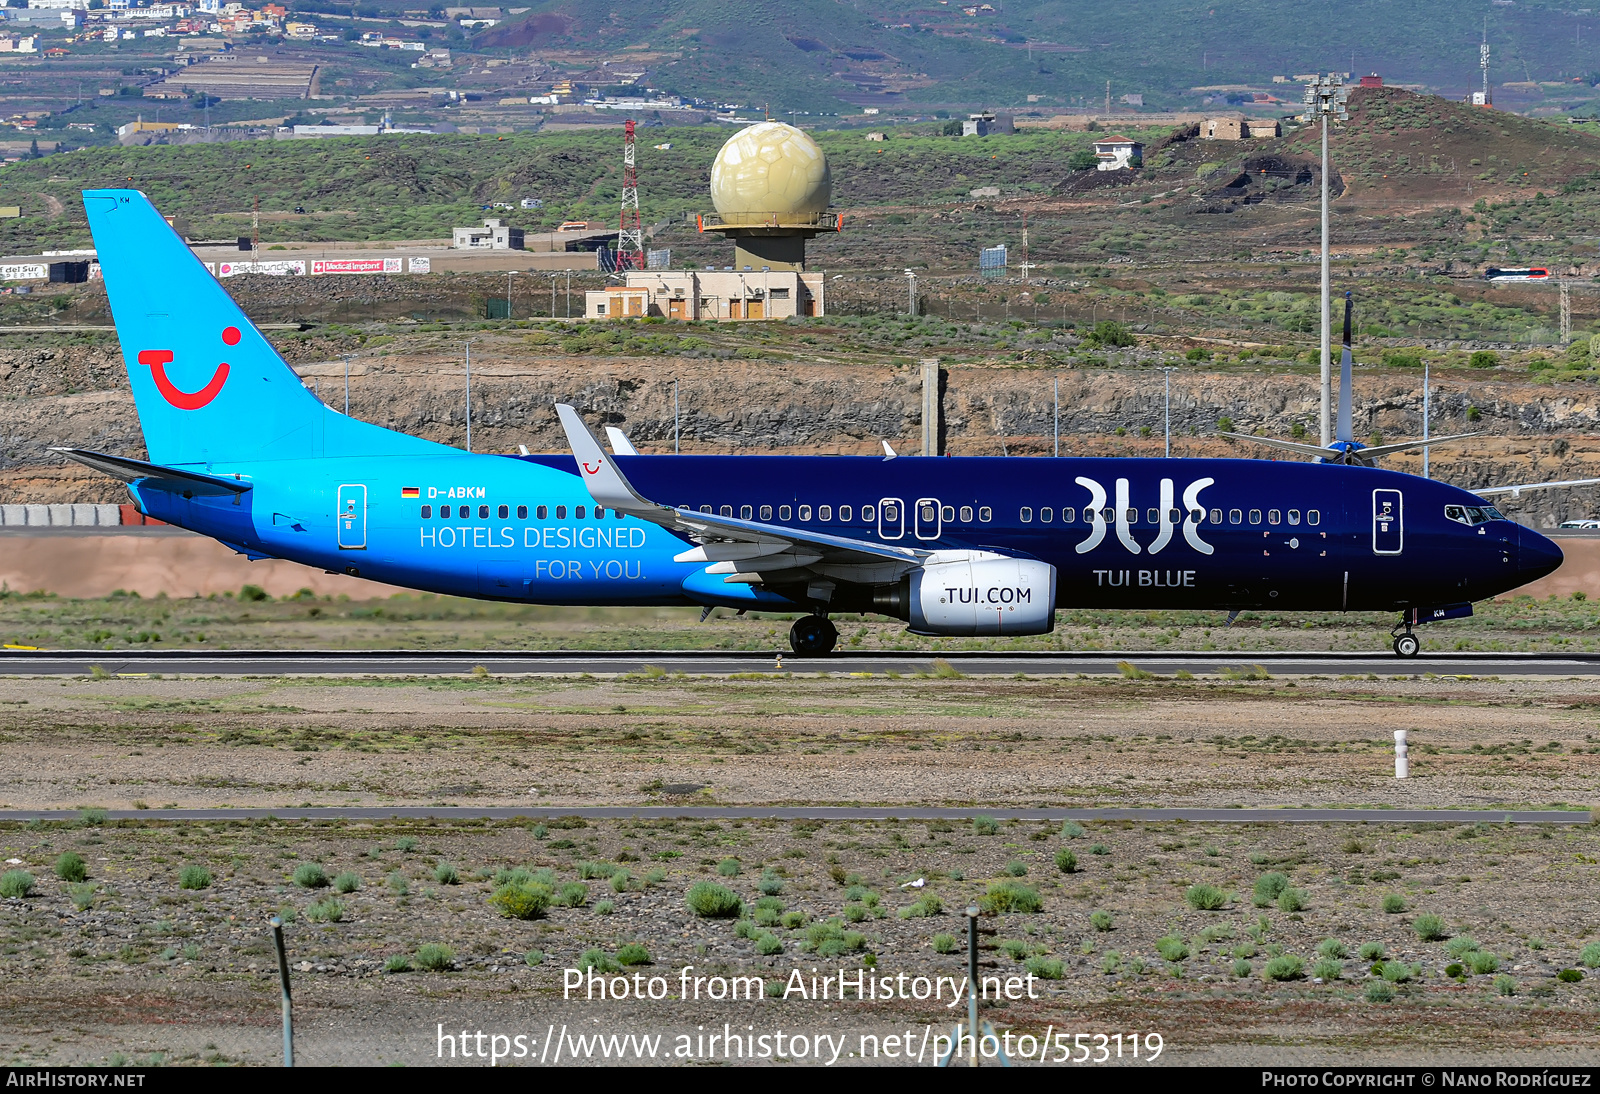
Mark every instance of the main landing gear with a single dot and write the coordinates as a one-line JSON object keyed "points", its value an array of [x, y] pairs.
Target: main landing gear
{"points": [[813, 635], [1406, 644]]}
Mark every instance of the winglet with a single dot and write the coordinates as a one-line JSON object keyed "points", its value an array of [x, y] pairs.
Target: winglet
{"points": [[620, 445], [606, 484], [888, 451]]}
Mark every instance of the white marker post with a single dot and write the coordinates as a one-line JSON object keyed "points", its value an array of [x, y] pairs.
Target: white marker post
{"points": [[1402, 755]]}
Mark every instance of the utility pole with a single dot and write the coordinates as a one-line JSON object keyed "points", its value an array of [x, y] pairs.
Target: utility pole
{"points": [[1566, 312], [569, 294], [1058, 416], [1168, 452], [509, 274], [911, 292], [469, 395], [1326, 95], [255, 232], [675, 417], [1027, 267], [1425, 408], [346, 357]]}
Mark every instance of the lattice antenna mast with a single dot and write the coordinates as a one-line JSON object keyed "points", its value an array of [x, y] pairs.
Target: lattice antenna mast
{"points": [[630, 236], [1483, 62]]}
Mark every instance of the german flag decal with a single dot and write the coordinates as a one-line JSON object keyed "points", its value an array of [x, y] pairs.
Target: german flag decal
{"points": [[410, 492]]}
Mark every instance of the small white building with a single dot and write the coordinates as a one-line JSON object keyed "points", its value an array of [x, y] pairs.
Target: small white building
{"points": [[495, 235], [1118, 153], [694, 295]]}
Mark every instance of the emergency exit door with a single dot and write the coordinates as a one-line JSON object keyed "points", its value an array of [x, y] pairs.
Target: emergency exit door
{"points": [[1388, 522], [352, 517]]}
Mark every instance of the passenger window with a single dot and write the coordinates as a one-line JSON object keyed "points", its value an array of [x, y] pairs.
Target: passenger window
{"points": [[1216, 517], [578, 512], [1255, 516], [427, 511], [1198, 516], [966, 514], [1068, 515], [783, 512], [1274, 517], [1294, 516], [1133, 516], [504, 512], [543, 512], [1026, 515], [844, 514], [766, 512], [805, 512], [1108, 514], [617, 513], [985, 514], [1175, 517], [1235, 516], [727, 510], [868, 514], [824, 512], [891, 513], [1313, 516], [1154, 516], [599, 512], [705, 508], [522, 512], [947, 513], [561, 512], [746, 512], [1046, 516]]}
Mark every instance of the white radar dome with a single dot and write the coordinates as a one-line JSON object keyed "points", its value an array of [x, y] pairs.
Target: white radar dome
{"points": [[771, 167]]}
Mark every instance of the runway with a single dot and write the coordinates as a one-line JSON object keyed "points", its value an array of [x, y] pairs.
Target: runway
{"points": [[724, 663], [828, 813]]}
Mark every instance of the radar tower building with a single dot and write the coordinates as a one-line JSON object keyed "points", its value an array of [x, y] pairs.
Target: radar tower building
{"points": [[771, 187]]}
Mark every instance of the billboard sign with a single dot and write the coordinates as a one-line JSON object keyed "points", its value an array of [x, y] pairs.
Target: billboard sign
{"points": [[322, 266], [24, 271], [282, 267], [419, 265]]}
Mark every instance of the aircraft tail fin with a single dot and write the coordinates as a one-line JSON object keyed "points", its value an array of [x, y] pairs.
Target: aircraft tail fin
{"points": [[1343, 429], [208, 386]]}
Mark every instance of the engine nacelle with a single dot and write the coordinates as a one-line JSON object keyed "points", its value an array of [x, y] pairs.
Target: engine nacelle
{"points": [[978, 593]]}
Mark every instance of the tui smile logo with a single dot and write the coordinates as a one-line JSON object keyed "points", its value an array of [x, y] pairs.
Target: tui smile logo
{"points": [[158, 359]]}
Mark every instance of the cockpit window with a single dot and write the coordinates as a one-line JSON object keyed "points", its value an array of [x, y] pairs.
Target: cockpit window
{"points": [[1472, 514]]}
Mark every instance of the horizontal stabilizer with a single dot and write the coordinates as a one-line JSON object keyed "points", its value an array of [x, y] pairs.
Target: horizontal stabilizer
{"points": [[1401, 446], [1314, 450], [1516, 490], [166, 478]]}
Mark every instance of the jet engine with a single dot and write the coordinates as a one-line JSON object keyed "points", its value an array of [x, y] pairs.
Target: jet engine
{"points": [[981, 594]]}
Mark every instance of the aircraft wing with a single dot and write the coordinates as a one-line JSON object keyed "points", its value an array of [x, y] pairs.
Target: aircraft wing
{"points": [[1401, 446], [745, 551], [1516, 491], [168, 478], [1315, 450]]}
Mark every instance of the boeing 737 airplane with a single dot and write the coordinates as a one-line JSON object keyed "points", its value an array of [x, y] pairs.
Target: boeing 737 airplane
{"points": [[240, 450]]}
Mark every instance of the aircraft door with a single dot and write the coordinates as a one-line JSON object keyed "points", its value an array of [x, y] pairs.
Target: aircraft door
{"points": [[929, 519], [891, 518], [352, 517], [1388, 522]]}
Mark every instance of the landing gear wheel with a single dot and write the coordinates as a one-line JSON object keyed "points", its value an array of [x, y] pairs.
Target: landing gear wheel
{"points": [[813, 635], [1407, 645]]}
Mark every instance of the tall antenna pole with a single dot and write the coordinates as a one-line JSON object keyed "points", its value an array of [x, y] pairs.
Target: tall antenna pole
{"points": [[1326, 95], [630, 236], [255, 231], [469, 395], [1425, 408], [1483, 62]]}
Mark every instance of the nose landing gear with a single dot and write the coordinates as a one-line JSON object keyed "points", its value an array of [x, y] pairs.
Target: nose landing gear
{"points": [[813, 635], [1406, 644]]}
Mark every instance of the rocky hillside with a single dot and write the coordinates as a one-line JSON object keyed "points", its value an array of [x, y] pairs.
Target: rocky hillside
{"points": [[77, 394]]}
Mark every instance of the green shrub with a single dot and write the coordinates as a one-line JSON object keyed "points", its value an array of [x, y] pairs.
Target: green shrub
{"points": [[15, 883], [194, 877], [1268, 888], [82, 895], [632, 953], [712, 901], [621, 881], [522, 900], [1505, 985], [1461, 945], [91, 817], [1371, 951], [347, 882], [398, 963], [539, 831], [1099, 849], [855, 913], [770, 884], [446, 874], [397, 883], [533, 958], [1483, 358], [604, 907], [1291, 900], [1380, 991], [1172, 948], [1332, 947], [1111, 962], [744, 929], [766, 917], [309, 875], [1017, 868], [70, 867], [1430, 928], [728, 867], [1285, 967], [597, 959], [830, 939], [1569, 976], [769, 904], [1071, 830], [1327, 969], [984, 825], [1483, 962], [1045, 968], [1398, 972], [1242, 967], [590, 870], [1010, 896], [1101, 921], [1590, 955], [945, 943], [769, 945], [1066, 861], [405, 843], [927, 905], [1455, 971], [793, 920], [325, 911], [1205, 898], [1016, 949], [1394, 904]]}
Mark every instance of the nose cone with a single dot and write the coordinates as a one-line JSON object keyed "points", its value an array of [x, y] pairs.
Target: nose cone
{"points": [[1536, 555]]}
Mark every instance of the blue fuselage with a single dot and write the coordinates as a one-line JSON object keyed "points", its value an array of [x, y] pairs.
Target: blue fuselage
{"points": [[1126, 533]]}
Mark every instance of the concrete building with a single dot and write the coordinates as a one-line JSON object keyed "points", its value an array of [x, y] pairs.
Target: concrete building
{"points": [[1239, 128], [981, 125], [495, 235], [1118, 153], [709, 295]]}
